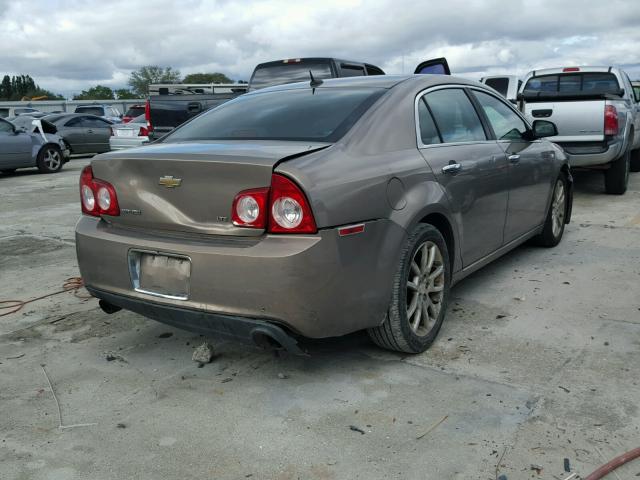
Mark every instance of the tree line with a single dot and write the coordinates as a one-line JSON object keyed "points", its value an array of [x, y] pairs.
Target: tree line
{"points": [[23, 86]]}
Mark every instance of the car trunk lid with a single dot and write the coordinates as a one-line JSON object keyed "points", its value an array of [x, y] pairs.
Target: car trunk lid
{"points": [[190, 187]]}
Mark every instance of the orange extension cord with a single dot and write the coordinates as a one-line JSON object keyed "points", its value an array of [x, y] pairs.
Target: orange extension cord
{"points": [[609, 467], [72, 284]]}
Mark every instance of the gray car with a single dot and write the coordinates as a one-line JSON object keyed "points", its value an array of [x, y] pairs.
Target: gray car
{"points": [[82, 133], [130, 134], [323, 208], [27, 146]]}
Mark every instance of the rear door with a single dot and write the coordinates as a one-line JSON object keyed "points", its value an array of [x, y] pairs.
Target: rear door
{"points": [[15, 148], [74, 134], [435, 66], [530, 165], [469, 165], [97, 131]]}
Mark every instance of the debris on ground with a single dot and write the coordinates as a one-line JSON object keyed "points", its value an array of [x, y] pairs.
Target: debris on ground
{"points": [[15, 356], [432, 427], [356, 429], [203, 354], [536, 468], [564, 388], [283, 376], [499, 316], [165, 335], [121, 425], [567, 465], [111, 356], [225, 380]]}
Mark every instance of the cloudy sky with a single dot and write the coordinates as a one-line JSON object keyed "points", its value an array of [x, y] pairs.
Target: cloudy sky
{"points": [[71, 45]]}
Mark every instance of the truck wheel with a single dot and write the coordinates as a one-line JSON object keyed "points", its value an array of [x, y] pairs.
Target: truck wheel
{"points": [[556, 216], [635, 161], [49, 159], [420, 294], [616, 177]]}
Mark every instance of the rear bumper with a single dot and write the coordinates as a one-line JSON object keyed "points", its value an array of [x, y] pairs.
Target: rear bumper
{"points": [[121, 143], [586, 158], [314, 285]]}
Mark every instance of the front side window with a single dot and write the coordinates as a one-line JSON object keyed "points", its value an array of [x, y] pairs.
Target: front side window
{"points": [[74, 122], [506, 124], [5, 126], [455, 116], [304, 114], [93, 122]]}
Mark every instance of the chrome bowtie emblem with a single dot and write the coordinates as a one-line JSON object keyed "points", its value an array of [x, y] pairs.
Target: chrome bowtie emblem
{"points": [[169, 181]]}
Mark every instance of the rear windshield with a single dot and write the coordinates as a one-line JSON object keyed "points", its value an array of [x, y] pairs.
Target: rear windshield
{"points": [[574, 83], [90, 110], [320, 114], [135, 111], [501, 85], [272, 74]]}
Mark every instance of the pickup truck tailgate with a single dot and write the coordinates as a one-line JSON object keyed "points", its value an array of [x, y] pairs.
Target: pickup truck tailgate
{"points": [[577, 121]]}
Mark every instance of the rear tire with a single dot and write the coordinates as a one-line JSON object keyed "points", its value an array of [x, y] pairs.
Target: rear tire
{"points": [[616, 178], [50, 159], [634, 166], [556, 216], [420, 294]]}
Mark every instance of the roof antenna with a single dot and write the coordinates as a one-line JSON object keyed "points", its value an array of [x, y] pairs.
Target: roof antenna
{"points": [[314, 83]]}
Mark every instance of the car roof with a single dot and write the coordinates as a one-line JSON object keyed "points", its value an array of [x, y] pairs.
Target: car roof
{"points": [[375, 81], [63, 116], [287, 61]]}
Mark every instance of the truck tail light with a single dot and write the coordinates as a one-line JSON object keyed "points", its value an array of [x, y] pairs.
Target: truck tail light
{"points": [[97, 197], [610, 120], [571, 69], [143, 132], [147, 116], [281, 208]]}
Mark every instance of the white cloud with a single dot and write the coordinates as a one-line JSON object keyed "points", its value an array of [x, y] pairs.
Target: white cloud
{"points": [[76, 44]]}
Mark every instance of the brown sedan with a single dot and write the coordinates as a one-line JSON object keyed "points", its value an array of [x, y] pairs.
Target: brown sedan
{"points": [[318, 210]]}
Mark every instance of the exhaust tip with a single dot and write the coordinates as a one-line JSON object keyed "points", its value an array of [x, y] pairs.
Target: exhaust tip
{"points": [[275, 339], [108, 308]]}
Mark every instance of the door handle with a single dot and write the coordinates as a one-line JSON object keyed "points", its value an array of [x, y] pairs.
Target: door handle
{"points": [[514, 158], [452, 168]]}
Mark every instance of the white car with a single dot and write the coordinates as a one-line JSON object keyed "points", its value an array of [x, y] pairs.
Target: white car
{"points": [[128, 135]]}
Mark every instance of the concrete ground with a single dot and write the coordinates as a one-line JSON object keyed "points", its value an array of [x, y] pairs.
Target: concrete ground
{"points": [[537, 361]]}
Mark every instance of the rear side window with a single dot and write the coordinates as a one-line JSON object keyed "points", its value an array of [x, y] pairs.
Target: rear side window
{"points": [[500, 85], [587, 82], [320, 114], [428, 131], [455, 116], [350, 70], [98, 111], [271, 74]]}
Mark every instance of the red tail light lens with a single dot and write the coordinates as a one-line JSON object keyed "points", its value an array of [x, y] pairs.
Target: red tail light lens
{"points": [[144, 132], [571, 69], [289, 210], [610, 120], [147, 115], [283, 208], [250, 208], [97, 197]]}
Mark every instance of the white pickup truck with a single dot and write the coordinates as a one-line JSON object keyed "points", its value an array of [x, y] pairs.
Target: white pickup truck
{"points": [[597, 115]]}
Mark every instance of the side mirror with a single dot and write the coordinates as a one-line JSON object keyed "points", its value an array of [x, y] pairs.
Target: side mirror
{"points": [[544, 128]]}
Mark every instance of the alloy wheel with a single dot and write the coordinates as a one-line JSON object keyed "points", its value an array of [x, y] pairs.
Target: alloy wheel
{"points": [[425, 288], [52, 159]]}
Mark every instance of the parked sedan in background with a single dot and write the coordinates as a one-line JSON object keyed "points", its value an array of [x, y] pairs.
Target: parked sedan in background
{"points": [[30, 147], [128, 135], [107, 112], [322, 208], [82, 133], [133, 112]]}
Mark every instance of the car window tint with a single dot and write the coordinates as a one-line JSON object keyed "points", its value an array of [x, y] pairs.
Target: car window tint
{"points": [[5, 126], [99, 111], [313, 114], [455, 117], [428, 132], [570, 83], [74, 122], [270, 74], [501, 85], [506, 124], [92, 122], [350, 70]]}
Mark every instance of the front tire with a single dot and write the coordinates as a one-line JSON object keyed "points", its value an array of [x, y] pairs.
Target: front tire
{"points": [[634, 165], [616, 178], [50, 159], [556, 216], [420, 294]]}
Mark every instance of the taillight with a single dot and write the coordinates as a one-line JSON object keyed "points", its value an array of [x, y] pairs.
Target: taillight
{"points": [[283, 208], [571, 69], [147, 115], [143, 132], [97, 197], [289, 210], [249, 208], [610, 120]]}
